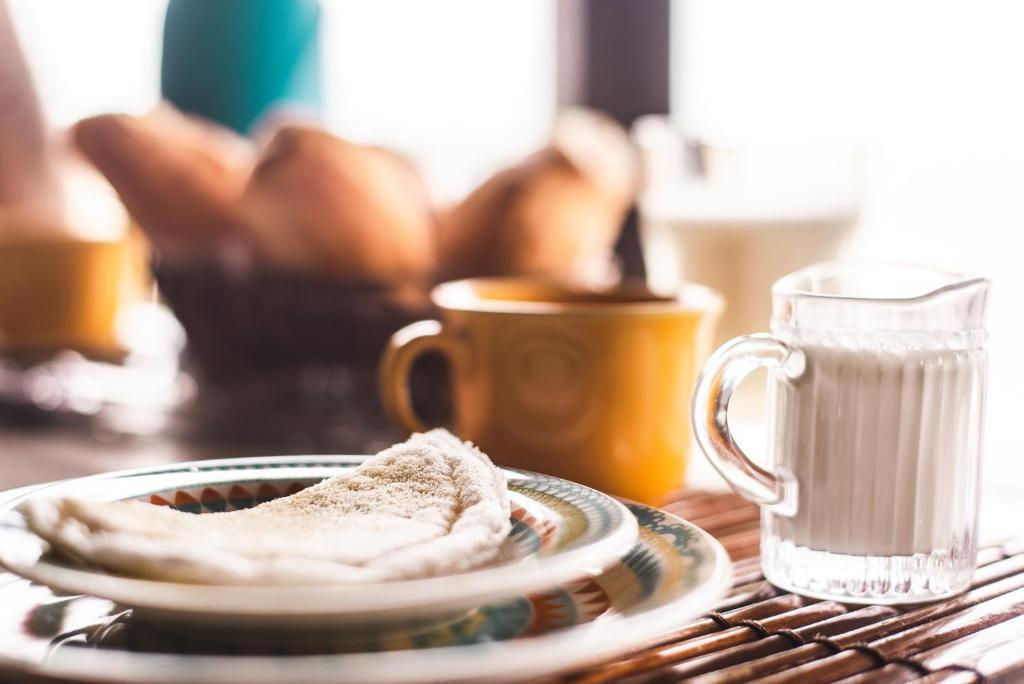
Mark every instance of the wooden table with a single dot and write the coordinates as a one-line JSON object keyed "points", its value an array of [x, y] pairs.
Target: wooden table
{"points": [[35, 455], [761, 633]]}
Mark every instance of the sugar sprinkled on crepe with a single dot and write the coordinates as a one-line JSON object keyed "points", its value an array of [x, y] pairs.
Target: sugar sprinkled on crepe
{"points": [[429, 506]]}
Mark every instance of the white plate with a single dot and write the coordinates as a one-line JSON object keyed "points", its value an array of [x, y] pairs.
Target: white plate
{"points": [[673, 574], [560, 529]]}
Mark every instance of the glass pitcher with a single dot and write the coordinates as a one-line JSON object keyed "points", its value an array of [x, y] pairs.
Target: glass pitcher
{"points": [[876, 403]]}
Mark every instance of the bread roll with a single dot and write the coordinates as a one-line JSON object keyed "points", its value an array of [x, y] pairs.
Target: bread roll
{"points": [[349, 212], [553, 214], [179, 177]]}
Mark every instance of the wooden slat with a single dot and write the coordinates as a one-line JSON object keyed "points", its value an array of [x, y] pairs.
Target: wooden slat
{"points": [[713, 664]]}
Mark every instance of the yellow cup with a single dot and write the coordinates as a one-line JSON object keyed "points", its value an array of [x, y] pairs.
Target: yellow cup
{"points": [[591, 386], [63, 293]]}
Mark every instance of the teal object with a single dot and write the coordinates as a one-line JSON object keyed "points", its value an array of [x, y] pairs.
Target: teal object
{"points": [[232, 61]]}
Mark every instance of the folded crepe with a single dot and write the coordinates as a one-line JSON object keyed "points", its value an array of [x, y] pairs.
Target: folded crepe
{"points": [[432, 505]]}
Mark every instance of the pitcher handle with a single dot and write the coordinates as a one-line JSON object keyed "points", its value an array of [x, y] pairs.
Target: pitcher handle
{"points": [[722, 373]]}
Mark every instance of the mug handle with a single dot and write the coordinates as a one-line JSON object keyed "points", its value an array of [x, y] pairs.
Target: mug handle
{"points": [[722, 373], [396, 365]]}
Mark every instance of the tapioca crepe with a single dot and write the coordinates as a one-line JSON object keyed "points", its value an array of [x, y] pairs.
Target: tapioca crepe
{"points": [[432, 505]]}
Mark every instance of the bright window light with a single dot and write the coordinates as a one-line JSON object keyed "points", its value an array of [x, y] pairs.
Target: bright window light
{"points": [[929, 90], [462, 86]]}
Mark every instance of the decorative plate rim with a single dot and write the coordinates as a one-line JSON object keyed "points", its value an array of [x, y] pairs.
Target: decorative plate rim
{"points": [[334, 604], [515, 659]]}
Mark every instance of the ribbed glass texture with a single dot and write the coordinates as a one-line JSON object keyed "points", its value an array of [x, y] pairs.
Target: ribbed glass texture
{"points": [[882, 433]]}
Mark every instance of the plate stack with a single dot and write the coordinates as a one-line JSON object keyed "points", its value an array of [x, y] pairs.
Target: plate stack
{"points": [[581, 578]]}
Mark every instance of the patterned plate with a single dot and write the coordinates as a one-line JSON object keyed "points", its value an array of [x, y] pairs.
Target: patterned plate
{"points": [[558, 530], [673, 573]]}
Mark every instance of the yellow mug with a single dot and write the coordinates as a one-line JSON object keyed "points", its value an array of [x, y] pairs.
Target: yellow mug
{"points": [[64, 293], [592, 386]]}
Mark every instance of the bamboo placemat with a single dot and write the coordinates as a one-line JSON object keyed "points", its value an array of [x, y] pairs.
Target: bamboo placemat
{"points": [[763, 634]]}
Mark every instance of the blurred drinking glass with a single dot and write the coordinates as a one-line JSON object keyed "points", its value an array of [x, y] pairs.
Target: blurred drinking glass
{"points": [[738, 219]]}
